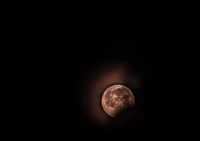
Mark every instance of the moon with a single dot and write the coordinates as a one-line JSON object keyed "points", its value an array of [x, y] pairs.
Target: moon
{"points": [[116, 99]]}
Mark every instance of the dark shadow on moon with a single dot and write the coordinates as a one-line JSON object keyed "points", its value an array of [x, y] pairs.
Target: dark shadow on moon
{"points": [[122, 119], [130, 118], [124, 122]]}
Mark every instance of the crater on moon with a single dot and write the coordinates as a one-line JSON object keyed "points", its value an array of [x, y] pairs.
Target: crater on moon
{"points": [[117, 98]]}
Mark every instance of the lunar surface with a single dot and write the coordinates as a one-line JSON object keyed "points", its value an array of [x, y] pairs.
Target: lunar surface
{"points": [[117, 98]]}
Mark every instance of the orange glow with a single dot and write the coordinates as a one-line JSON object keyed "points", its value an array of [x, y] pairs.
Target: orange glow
{"points": [[93, 86]]}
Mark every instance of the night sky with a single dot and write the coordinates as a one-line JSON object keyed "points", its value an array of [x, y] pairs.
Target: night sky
{"points": [[141, 46]]}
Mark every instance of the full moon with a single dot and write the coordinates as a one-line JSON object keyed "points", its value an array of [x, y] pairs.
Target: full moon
{"points": [[117, 98]]}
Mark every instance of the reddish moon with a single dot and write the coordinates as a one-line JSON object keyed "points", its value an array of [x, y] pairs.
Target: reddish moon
{"points": [[116, 99]]}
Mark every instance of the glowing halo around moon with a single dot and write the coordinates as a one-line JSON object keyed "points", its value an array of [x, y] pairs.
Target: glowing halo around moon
{"points": [[117, 98], [95, 83]]}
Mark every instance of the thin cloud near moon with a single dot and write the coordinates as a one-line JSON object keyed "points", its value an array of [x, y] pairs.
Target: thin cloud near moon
{"points": [[98, 80]]}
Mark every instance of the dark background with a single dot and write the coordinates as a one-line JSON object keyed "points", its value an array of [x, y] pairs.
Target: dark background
{"points": [[143, 46]]}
